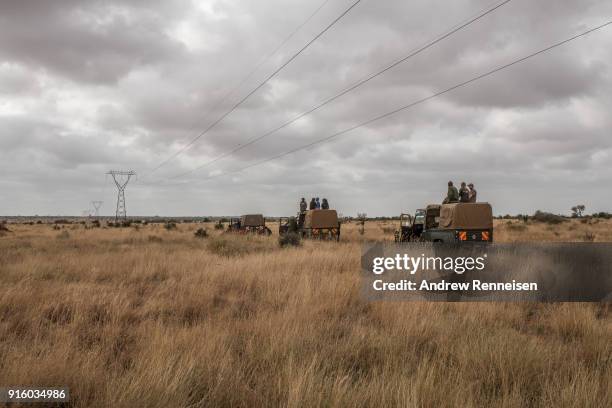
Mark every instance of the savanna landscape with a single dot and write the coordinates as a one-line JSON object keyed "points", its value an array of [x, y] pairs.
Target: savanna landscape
{"points": [[154, 316]]}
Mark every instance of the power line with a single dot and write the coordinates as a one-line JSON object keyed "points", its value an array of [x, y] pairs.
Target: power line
{"points": [[265, 81], [271, 54], [413, 104], [256, 68], [350, 88]]}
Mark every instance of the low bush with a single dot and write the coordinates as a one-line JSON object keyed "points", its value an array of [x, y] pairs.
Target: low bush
{"points": [[289, 239], [201, 233], [548, 218], [170, 226]]}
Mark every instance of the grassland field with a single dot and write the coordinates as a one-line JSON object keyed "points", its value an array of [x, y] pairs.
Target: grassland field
{"points": [[149, 317]]}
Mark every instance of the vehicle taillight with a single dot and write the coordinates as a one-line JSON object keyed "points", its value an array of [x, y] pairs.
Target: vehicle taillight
{"points": [[462, 236], [485, 235]]}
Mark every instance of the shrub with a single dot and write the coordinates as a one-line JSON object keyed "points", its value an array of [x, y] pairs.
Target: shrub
{"points": [[523, 217], [170, 226], [57, 227], [548, 218], [289, 239], [120, 224], [219, 225], [201, 233]]}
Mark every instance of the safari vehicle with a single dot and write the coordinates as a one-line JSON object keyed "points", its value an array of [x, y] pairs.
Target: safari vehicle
{"points": [[315, 224], [410, 229], [250, 223], [286, 225], [456, 222]]}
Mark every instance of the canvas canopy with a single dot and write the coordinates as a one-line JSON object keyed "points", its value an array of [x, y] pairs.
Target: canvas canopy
{"points": [[432, 215], [466, 216], [321, 219], [252, 220]]}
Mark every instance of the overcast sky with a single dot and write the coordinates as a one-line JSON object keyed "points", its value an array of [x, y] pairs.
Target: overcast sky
{"points": [[88, 86]]}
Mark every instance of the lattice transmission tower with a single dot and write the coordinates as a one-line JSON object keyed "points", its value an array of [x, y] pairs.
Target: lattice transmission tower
{"points": [[96, 206], [121, 179]]}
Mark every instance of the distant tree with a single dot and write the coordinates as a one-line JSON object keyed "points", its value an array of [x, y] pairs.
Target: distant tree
{"points": [[362, 217], [578, 210]]}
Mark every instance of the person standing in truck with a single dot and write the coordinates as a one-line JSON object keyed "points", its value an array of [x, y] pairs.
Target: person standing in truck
{"points": [[324, 204], [303, 205], [472, 193], [313, 204], [464, 193]]}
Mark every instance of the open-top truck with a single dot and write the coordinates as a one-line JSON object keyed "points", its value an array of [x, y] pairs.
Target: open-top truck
{"points": [[250, 223], [456, 222], [410, 227], [315, 224]]}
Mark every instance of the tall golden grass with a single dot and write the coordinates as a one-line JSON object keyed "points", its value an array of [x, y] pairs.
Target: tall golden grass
{"points": [[156, 318]]}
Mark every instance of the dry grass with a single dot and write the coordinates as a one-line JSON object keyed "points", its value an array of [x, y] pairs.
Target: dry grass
{"points": [[157, 318]]}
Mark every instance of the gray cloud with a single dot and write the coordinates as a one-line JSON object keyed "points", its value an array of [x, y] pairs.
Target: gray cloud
{"points": [[86, 86]]}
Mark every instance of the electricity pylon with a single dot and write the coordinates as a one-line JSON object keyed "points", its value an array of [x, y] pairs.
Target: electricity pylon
{"points": [[96, 206], [121, 179]]}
